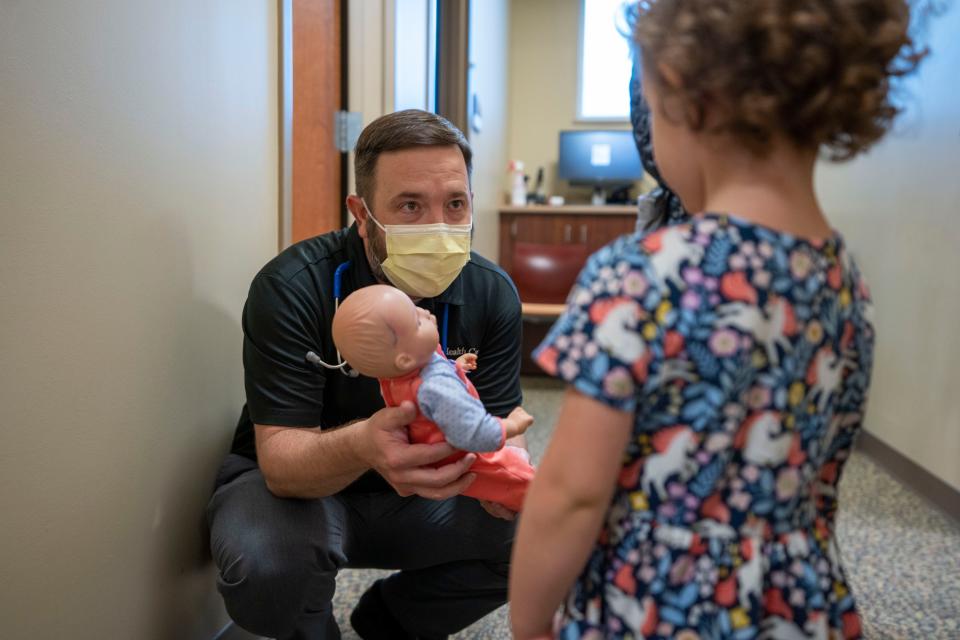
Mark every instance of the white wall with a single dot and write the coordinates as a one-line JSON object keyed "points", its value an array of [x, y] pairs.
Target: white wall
{"points": [[899, 207], [138, 196], [488, 81]]}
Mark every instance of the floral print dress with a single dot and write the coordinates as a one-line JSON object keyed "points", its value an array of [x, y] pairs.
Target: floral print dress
{"points": [[745, 356]]}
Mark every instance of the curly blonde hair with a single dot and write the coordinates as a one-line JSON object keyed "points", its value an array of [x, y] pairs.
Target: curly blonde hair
{"points": [[816, 72]]}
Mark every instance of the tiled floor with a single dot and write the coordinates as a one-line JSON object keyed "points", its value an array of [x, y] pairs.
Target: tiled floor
{"points": [[902, 556]]}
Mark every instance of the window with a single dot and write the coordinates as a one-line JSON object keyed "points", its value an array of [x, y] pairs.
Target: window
{"points": [[605, 62], [415, 55]]}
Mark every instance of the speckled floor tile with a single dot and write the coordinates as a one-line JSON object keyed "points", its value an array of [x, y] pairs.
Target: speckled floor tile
{"points": [[902, 556]]}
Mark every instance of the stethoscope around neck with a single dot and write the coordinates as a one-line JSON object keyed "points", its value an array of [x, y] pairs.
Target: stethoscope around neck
{"points": [[341, 365]]}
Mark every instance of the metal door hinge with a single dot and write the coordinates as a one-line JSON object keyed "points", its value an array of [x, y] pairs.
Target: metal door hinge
{"points": [[346, 129]]}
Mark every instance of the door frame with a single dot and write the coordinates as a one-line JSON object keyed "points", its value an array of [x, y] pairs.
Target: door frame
{"points": [[369, 66], [313, 83]]}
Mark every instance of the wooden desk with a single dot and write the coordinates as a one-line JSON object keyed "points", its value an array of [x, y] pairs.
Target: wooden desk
{"points": [[585, 224], [588, 209], [540, 310]]}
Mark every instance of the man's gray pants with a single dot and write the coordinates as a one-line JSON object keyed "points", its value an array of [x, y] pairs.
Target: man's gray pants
{"points": [[278, 558]]}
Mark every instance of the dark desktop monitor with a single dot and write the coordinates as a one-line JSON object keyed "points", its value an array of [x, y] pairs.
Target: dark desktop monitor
{"points": [[601, 159]]}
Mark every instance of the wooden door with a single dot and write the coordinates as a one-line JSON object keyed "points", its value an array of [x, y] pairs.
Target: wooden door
{"points": [[317, 189]]}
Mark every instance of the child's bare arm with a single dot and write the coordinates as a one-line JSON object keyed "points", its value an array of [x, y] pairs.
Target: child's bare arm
{"points": [[564, 510]]}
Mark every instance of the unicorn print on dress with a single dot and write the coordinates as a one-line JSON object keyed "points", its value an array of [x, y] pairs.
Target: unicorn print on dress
{"points": [[711, 529], [750, 573], [763, 447], [638, 614], [826, 373], [675, 537], [617, 332], [674, 250], [672, 370], [673, 460], [772, 327], [775, 628]]}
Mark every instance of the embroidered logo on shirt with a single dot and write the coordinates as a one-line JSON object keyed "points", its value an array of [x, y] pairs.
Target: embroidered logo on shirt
{"points": [[456, 352]]}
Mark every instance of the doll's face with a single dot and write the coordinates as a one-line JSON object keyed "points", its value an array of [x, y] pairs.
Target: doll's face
{"points": [[417, 337], [382, 334]]}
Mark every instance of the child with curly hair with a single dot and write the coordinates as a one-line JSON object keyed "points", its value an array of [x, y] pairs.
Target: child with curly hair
{"points": [[718, 368]]}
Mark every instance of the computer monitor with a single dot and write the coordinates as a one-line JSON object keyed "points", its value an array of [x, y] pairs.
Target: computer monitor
{"points": [[602, 159]]}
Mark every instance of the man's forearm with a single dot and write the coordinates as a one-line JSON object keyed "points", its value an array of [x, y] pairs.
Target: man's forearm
{"points": [[309, 463]]}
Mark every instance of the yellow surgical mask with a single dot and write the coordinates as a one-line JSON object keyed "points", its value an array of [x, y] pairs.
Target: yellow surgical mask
{"points": [[424, 259]]}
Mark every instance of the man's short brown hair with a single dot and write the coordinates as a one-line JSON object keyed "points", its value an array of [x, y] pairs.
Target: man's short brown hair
{"points": [[403, 130]]}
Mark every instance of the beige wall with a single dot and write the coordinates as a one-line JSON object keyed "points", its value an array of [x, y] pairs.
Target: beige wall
{"points": [[544, 37], [138, 196], [900, 209], [489, 44]]}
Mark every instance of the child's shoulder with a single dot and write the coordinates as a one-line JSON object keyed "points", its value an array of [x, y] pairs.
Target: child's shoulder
{"points": [[683, 237], [657, 252]]}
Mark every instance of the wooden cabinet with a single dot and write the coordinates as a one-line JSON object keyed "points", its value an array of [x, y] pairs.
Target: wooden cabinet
{"points": [[544, 229], [586, 225]]}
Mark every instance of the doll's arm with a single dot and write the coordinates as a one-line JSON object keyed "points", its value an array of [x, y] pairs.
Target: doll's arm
{"points": [[467, 362], [517, 422], [463, 419]]}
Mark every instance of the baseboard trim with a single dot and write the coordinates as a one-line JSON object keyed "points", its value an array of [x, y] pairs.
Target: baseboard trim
{"points": [[231, 631], [940, 494]]}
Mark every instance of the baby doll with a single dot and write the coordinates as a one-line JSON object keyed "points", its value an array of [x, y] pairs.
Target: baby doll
{"points": [[382, 334]]}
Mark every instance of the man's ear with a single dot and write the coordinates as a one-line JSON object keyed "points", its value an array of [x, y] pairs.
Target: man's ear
{"points": [[355, 204], [404, 362]]}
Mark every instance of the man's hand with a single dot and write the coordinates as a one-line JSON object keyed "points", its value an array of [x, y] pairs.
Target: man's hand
{"points": [[497, 510], [385, 446], [468, 362]]}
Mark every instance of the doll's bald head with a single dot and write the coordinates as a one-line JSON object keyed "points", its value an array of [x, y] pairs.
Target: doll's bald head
{"points": [[382, 334]]}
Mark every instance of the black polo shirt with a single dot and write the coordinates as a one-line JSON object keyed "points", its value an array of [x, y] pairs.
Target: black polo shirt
{"points": [[289, 311]]}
